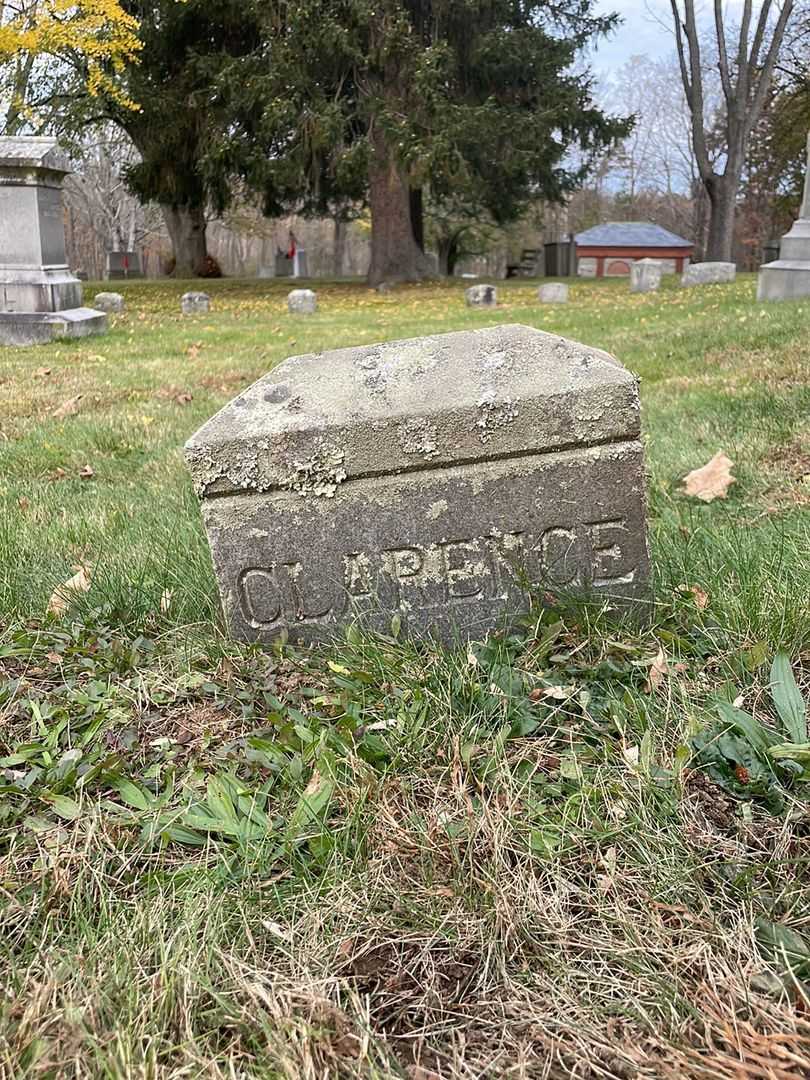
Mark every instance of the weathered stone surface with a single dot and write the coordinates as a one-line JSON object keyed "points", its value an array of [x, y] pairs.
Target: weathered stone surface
{"points": [[38, 328], [709, 273], [645, 275], [35, 280], [111, 302], [788, 277], [428, 479], [553, 292], [195, 303], [302, 302], [481, 296]]}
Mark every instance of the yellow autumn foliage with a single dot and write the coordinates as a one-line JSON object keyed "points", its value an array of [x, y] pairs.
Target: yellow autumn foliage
{"points": [[100, 31]]}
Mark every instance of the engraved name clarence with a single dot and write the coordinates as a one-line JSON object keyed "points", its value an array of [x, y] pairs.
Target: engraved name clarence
{"points": [[439, 574]]}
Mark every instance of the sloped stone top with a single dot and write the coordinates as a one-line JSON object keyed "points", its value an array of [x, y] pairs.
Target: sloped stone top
{"points": [[633, 234], [318, 420], [29, 151]]}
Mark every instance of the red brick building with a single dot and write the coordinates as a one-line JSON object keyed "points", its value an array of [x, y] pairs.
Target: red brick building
{"points": [[610, 250]]}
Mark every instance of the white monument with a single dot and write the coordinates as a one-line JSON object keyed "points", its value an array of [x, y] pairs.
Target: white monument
{"points": [[40, 298], [789, 277]]}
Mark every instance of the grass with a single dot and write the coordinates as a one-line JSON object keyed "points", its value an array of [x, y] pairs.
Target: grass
{"points": [[384, 859]]}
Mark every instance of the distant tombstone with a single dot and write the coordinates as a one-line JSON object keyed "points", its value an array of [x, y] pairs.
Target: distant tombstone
{"points": [[111, 302], [284, 265], [123, 264], [481, 296], [384, 287], [266, 272], [300, 263], [709, 273], [40, 298], [436, 483], [645, 275], [553, 292], [788, 276], [195, 303], [302, 302]]}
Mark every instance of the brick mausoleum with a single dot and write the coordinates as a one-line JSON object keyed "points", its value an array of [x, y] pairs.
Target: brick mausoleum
{"points": [[610, 250]]}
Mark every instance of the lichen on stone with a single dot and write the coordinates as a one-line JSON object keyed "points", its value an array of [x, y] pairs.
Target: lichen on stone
{"points": [[320, 475], [494, 414], [419, 436]]}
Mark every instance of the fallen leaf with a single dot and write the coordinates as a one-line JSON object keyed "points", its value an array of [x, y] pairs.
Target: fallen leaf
{"points": [[87, 473], [67, 408], [54, 658], [58, 473], [701, 597], [64, 595], [43, 372], [712, 481], [193, 351], [24, 503], [659, 669], [184, 399]]}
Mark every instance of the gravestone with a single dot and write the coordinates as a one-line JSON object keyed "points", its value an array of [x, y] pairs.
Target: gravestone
{"points": [[645, 275], [788, 277], [40, 298], [111, 302], [553, 292], [123, 264], [709, 273], [425, 481], [195, 303], [302, 302], [481, 296]]}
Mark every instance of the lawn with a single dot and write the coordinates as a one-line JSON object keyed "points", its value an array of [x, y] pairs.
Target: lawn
{"points": [[577, 851]]}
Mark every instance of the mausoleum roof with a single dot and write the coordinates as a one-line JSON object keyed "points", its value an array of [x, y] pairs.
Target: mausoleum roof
{"points": [[630, 234], [33, 151]]}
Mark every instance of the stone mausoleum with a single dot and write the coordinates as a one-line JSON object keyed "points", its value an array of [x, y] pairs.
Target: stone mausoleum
{"points": [[610, 250], [39, 296]]}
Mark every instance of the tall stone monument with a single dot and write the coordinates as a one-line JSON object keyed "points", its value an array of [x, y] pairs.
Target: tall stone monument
{"points": [[40, 298], [434, 482], [789, 277]]}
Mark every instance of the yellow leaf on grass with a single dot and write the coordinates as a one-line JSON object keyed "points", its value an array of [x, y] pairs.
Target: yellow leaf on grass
{"points": [[64, 595], [712, 481]]}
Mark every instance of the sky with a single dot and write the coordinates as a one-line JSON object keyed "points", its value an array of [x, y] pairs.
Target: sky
{"points": [[645, 31]]}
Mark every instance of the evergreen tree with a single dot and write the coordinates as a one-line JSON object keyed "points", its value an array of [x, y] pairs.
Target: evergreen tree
{"points": [[384, 97], [181, 114]]}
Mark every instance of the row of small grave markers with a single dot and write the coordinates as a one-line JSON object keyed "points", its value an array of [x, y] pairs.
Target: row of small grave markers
{"points": [[645, 276]]}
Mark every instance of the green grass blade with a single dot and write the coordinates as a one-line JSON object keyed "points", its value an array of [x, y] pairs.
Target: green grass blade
{"points": [[787, 699]]}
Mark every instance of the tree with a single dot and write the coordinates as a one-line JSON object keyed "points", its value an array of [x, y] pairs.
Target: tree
{"points": [[380, 98], [745, 74], [181, 113], [41, 39]]}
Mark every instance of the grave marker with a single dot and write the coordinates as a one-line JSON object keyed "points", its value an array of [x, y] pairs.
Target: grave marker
{"points": [[553, 292], [481, 296], [429, 480], [302, 302], [39, 296], [195, 303], [645, 275], [709, 273], [788, 277]]}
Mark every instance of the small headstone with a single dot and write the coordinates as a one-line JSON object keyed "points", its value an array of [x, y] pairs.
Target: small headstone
{"points": [[645, 275], [111, 302], [123, 264], [384, 287], [39, 296], [709, 273], [553, 292], [787, 277], [302, 302], [481, 296], [195, 303], [424, 483]]}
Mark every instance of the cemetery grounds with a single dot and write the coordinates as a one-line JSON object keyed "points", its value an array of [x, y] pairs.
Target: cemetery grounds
{"points": [[571, 852]]}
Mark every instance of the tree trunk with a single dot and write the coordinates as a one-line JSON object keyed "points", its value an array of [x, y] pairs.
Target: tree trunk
{"points": [[186, 227], [418, 217], [722, 192], [395, 254]]}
